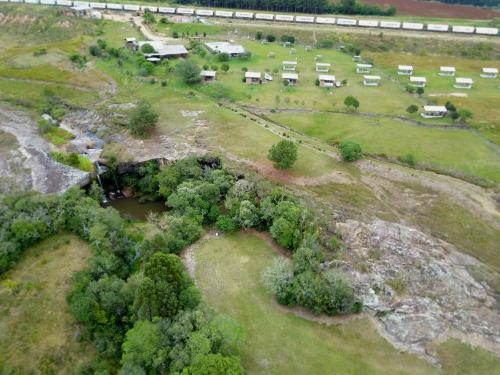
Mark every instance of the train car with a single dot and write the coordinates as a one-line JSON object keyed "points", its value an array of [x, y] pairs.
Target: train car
{"points": [[487, 30], [204, 12], [166, 10], [48, 2], [185, 11], [462, 29], [16, 1], [325, 20], [413, 26], [246, 15], [64, 3], [131, 7], [4, 1], [284, 17], [390, 24], [304, 19], [30, 1], [346, 22], [368, 23], [223, 14], [264, 16], [98, 5], [114, 6], [149, 8], [437, 27]]}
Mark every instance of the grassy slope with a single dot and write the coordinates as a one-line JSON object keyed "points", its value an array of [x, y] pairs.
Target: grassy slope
{"points": [[228, 271], [456, 149], [38, 334]]}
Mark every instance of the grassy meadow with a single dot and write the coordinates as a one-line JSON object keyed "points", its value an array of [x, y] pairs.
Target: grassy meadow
{"points": [[228, 272], [38, 334]]}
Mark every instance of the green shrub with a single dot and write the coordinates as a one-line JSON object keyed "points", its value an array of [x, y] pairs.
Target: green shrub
{"points": [[412, 108], [350, 150], [409, 159]]}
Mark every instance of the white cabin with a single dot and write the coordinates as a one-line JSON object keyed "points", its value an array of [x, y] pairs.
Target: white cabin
{"points": [[363, 68], [463, 83], [405, 70], [289, 65], [489, 72], [323, 67], [291, 78], [371, 80], [447, 71], [418, 81], [434, 111], [326, 80]]}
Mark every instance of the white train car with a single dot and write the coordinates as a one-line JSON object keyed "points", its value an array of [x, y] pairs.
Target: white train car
{"points": [[114, 6], [185, 11], [98, 5], [81, 3], [66, 3], [223, 14], [166, 10], [30, 1], [264, 16], [205, 12], [284, 17], [48, 2], [325, 20], [438, 27], [4, 1], [16, 1], [368, 23], [149, 8], [131, 7], [304, 19], [413, 26], [245, 15], [346, 22], [487, 30], [390, 24], [463, 29]]}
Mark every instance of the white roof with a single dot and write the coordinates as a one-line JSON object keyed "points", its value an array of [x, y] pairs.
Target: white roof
{"points": [[364, 65], [323, 64], [418, 79], [326, 77], [490, 70], [252, 75], [405, 67], [447, 68], [464, 80], [161, 48], [225, 47], [290, 76], [208, 73], [435, 108], [372, 78], [289, 62]]}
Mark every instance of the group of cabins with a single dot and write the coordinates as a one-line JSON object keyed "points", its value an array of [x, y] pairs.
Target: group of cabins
{"points": [[444, 71]]}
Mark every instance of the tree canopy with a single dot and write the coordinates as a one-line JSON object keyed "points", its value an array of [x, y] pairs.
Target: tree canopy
{"points": [[283, 154]]}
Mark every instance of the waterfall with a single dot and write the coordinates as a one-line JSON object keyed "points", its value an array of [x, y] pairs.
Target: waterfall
{"points": [[104, 199]]}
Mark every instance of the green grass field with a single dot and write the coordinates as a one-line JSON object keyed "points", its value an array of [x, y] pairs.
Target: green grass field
{"points": [[38, 334], [228, 271], [455, 149]]}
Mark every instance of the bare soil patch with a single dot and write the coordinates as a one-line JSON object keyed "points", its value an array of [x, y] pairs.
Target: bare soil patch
{"points": [[435, 9]]}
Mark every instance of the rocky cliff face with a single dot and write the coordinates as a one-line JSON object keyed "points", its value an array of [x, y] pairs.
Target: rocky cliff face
{"points": [[418, 287], [24, 158]]}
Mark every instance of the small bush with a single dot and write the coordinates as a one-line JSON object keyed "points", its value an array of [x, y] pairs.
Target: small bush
{"points": [[409, 159], [412, 108], [350, 150]]}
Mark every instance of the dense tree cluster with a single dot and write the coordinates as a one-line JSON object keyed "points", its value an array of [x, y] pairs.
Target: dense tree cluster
{"points": [[135, 301]]}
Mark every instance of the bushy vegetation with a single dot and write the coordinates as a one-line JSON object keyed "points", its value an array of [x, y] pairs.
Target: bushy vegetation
{"points": [[142, 119], [283, 154], [350, 150]]}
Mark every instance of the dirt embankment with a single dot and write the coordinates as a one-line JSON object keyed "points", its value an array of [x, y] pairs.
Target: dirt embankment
{"points": [[436, 9]]}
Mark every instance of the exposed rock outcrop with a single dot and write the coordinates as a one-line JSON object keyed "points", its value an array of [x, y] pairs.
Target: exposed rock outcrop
{"points": [[418, 287], [27, 164]]}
